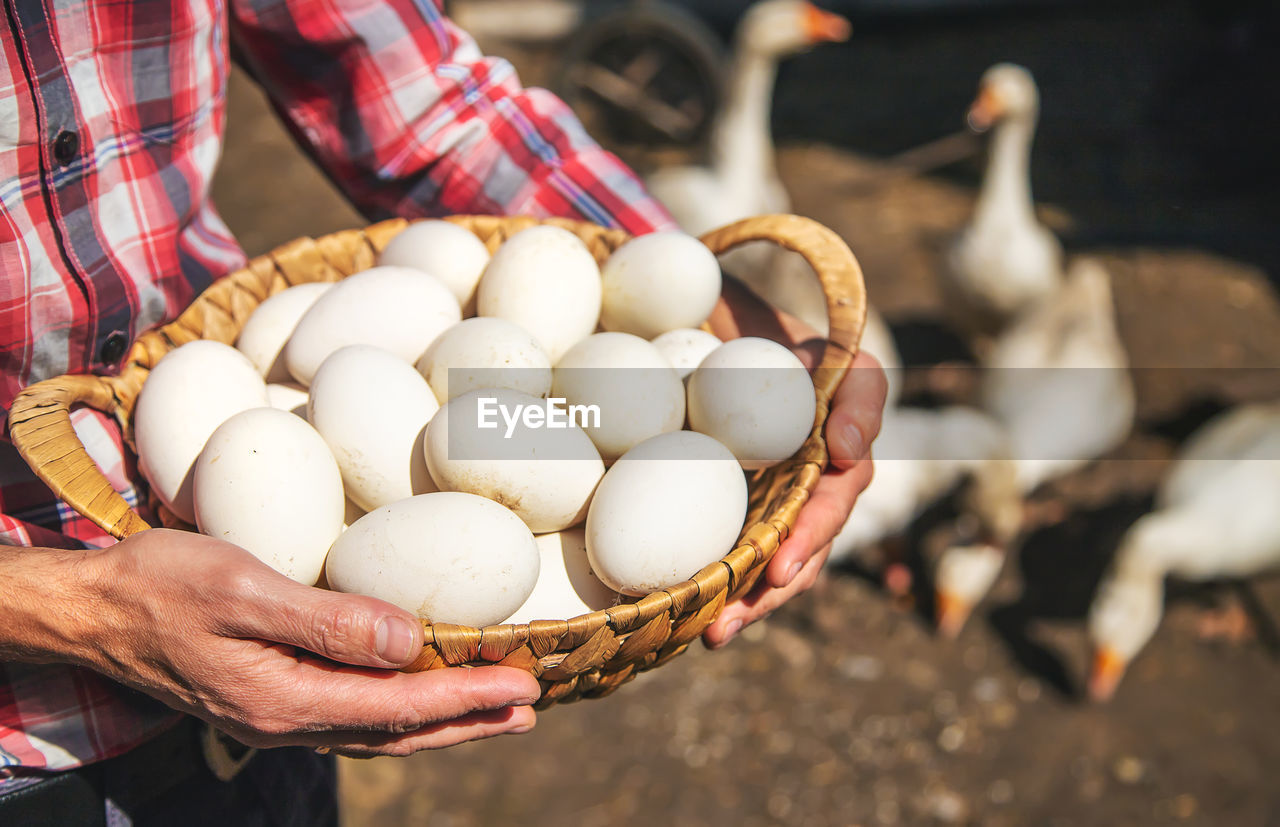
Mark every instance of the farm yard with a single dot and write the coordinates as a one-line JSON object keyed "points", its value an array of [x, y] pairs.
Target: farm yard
{"points": [[845, 707]]}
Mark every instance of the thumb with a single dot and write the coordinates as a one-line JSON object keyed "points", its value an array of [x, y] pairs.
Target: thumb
{"points": [[348, 628], [856, 411]]}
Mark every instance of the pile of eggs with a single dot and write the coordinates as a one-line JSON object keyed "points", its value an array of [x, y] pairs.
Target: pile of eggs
{"points": [[395, 434]]}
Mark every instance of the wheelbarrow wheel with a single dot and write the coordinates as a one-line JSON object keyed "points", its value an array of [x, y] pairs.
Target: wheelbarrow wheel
{"points": [[648, 74]]}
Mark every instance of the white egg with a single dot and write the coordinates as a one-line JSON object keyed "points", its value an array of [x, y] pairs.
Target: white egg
{"points": [[504, 445], [685, 348], [398, 309], [566, 587], [545, 280], [191, 391], [373, 409], [636, 390], [451, 253], [288, 396], [668, 507], [756, 397], [446, 557], [485, 353], [267, 482], [269, 327], [659, 282]]}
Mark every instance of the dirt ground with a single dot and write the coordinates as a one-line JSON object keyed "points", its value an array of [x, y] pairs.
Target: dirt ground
{"points": [[844, 708]]}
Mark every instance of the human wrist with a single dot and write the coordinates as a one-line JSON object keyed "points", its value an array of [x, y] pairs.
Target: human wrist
{"points": [[49, 600], [741, 312]]}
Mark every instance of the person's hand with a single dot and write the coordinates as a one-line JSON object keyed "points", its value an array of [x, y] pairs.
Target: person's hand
{"points": [[854, 422], [206, 628]]}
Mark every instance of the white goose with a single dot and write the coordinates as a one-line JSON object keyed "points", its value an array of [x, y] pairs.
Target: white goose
{"points": [[1215, 517], [742, 178], [1058, 383], [921, 455], [1004, 261], [1058, 379]]}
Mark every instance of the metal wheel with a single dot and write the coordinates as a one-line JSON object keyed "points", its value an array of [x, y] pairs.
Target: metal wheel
{"points": [[646, 74]]}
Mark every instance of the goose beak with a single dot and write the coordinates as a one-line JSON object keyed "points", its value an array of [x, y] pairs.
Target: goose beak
{"points": [[951, 613], [985, 110], [1104, 677], [824, 27]]}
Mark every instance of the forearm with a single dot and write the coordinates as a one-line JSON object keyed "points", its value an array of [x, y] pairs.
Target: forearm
{"points": [[48, 599], [402, 110]]}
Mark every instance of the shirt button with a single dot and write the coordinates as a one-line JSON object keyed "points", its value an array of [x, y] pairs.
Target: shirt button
{"points": [[65, 147], [113, 347]]}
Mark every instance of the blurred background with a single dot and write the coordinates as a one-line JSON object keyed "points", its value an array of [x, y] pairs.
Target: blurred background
{"points": [[1154, 158]]}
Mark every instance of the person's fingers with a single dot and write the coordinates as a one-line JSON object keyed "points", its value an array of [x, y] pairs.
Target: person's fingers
{"points": [[473, 727], [760, 601], [809, 352], [279, 691], [347, 628], [800, 558], [856, 411], [399, 702], [820, 520]]}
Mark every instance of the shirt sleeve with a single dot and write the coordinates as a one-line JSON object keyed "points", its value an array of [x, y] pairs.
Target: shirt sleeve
{"points": [[406, 115]]}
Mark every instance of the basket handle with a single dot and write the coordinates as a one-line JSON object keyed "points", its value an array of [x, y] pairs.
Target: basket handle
{"points": [[40, 427], [837, 270]]}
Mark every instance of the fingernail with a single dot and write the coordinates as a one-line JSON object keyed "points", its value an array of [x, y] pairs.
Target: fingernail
{"points": [[394, 639], [792, 572], [853, 440], [520, 730], [733, 629]]}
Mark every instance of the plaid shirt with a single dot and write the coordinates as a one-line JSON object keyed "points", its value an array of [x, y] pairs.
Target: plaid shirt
{"points": [[111, 119]]}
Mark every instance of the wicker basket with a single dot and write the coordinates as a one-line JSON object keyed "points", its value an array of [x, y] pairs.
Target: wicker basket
{"points": [[581, 657]]}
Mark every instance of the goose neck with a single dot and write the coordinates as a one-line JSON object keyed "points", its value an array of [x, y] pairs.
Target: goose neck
{"points": [[1163, 542], [1006, 186], [741, 143]]}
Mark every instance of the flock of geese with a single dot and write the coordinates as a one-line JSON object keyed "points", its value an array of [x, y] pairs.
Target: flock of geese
{"points": [[1055, 392]]}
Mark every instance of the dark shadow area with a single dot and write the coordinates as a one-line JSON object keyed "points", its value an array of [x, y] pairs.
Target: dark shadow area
{"points": [[929, 341], [1060, 566], [1183, 423]]}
